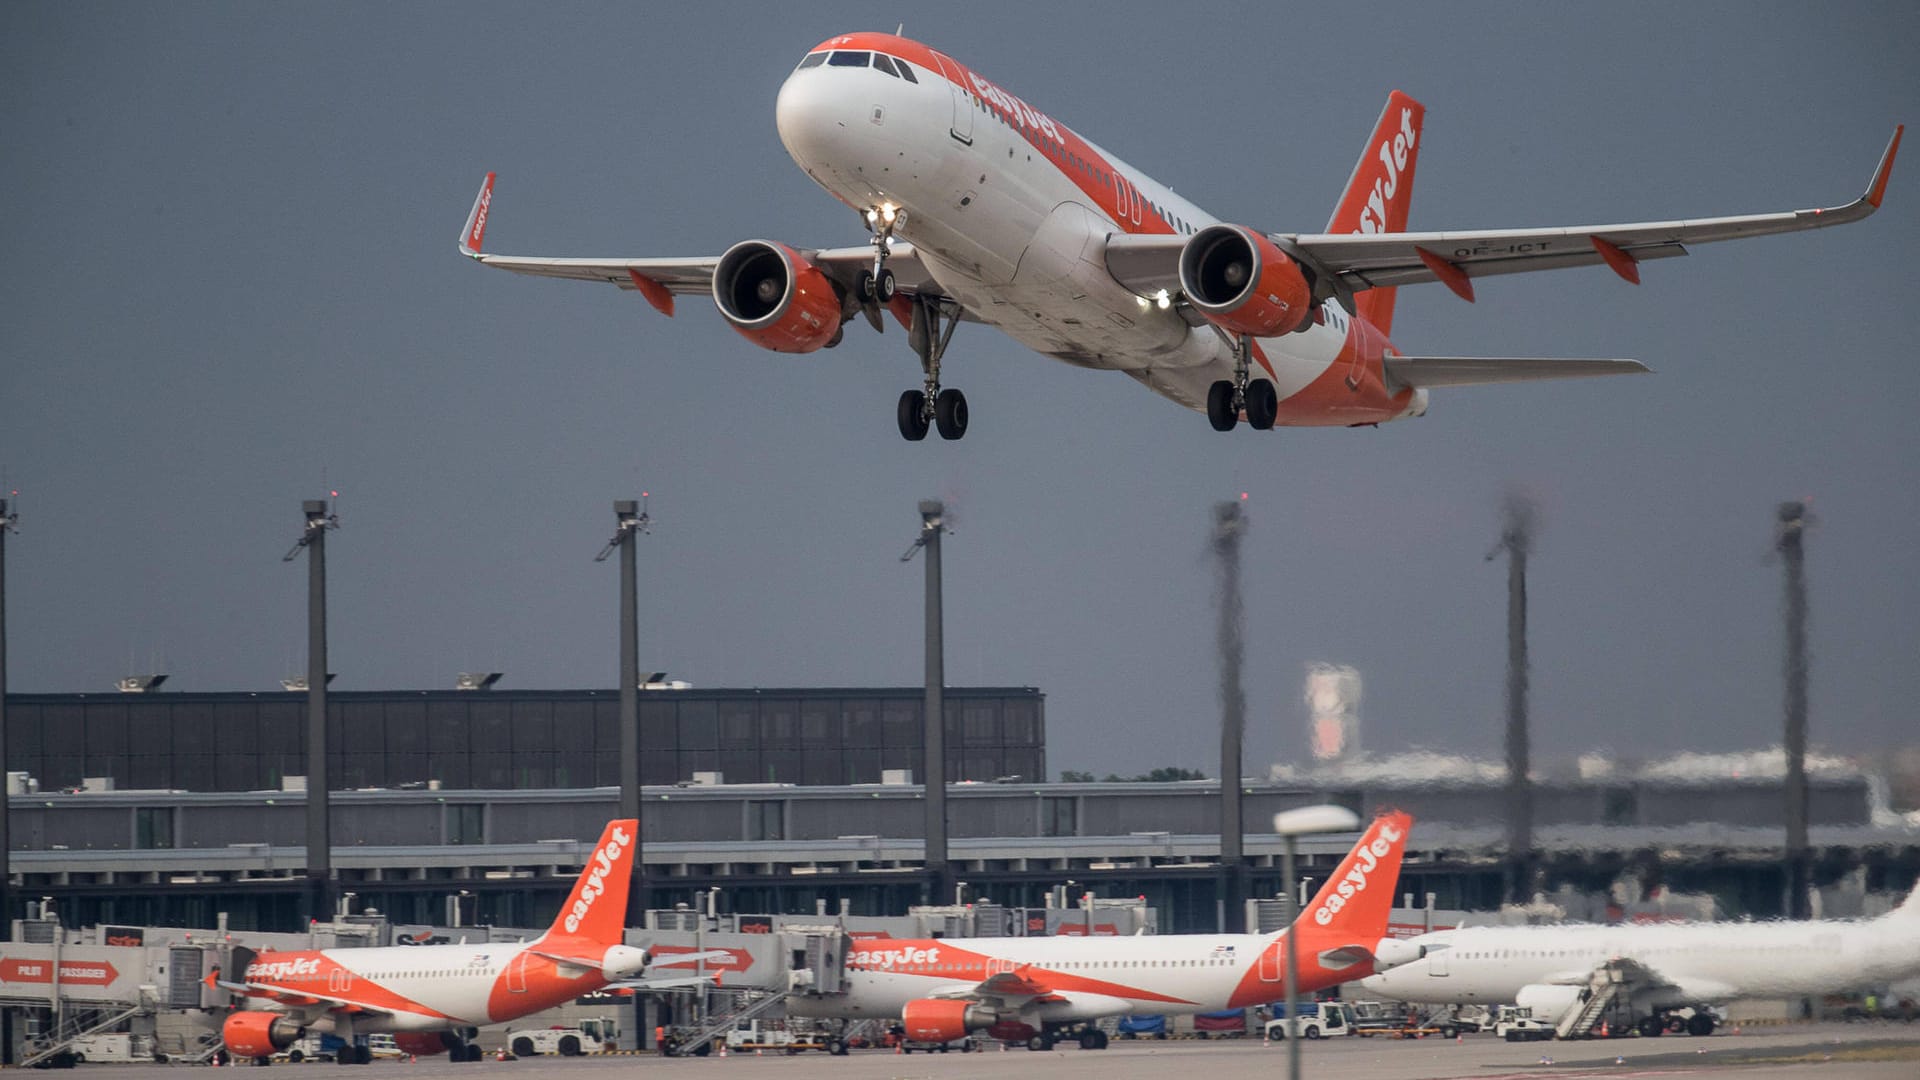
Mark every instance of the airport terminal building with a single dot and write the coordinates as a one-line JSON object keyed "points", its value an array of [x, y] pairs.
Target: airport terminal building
{"points": [[175, 809]]}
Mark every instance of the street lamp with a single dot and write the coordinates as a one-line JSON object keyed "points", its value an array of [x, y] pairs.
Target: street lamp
{"points": [[1303, 821]]}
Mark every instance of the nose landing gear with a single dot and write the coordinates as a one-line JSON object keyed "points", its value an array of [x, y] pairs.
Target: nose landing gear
{"points": [[877, 286]]}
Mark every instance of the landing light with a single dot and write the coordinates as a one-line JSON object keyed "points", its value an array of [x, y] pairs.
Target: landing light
{"points": [[887, 212], [1144, 302], [872, 216], [1162, 301]]}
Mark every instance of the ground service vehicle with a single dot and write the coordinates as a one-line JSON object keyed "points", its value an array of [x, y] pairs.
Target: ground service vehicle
{"points": [[1515, 1023], [115, 1048], [590, 1037], [1317, 1019]]}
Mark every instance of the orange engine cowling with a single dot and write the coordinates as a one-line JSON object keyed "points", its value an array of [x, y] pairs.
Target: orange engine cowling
{"points": [[259, 1034], [1243, 282], [934, 1020], [776, 298], [422, 1043]]}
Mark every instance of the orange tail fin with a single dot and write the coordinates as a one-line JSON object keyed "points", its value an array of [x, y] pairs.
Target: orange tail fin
{"points": [[597, 907], [1356, 900], [1381, 189]]}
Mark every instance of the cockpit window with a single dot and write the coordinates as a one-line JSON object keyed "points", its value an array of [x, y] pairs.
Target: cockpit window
{"points": [[813, 60], [906, 71], [848, 59], [881, 61]]}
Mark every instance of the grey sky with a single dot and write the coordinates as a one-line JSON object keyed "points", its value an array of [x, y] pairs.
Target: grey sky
{"points": [[231, 283]]}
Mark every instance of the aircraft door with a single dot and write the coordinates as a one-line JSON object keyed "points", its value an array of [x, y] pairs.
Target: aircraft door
{"points": [[517, 973], [1273, 961], [1437, 962], [961, 127]]}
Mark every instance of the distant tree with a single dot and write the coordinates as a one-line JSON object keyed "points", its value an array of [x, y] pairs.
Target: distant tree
{"points": [[1162, 775], [1075, 776]]}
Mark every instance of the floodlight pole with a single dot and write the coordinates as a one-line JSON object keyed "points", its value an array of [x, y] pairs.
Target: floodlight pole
{"points": [[1229, 523], [1792, 530], [319, 840], [7, 520], [933, 749], [1290, 824], [631, 521]]}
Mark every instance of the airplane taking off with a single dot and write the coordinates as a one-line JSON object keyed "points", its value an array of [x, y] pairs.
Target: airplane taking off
{"points": [[1572, 977], [434, 997], [985, 209], [1035, 988]]}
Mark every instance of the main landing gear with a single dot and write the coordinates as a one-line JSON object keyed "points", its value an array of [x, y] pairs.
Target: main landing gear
{"points": [[1227, 398], [930, 406]]}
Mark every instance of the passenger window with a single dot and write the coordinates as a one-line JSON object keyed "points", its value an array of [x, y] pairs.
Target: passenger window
{"points": [[884, 64], [906, 71], [814, 60], [848, 59]]}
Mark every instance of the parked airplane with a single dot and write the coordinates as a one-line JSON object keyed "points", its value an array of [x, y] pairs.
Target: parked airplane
{"points": [[985, 209], [1574, 976], [1036, 988], [434, 997]]}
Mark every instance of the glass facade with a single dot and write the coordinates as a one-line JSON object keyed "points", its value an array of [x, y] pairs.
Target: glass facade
{"points": [[503, 739]]}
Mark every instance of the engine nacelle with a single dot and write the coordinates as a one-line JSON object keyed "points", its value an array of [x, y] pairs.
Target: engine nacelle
{"points": [[1392, 952], [1243, 282], [935, 1020], [1549, 1003], [775, 298], [423, 1043], [259, 1034]]}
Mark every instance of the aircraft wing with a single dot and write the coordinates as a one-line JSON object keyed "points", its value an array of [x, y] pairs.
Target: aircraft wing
{"points": [[1646, 982], [1359, 261], [659, 280], [1483, 370]]}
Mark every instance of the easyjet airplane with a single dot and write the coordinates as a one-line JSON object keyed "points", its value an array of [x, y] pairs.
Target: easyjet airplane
{"points": [[433, 997], [1037, 988], [985, 209]]}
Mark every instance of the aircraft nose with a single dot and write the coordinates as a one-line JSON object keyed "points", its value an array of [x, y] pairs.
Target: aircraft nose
{"points": [[811, 118]]}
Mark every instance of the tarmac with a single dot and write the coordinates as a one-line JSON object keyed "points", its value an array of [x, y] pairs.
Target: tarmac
{"points": [[1876, 1051]]}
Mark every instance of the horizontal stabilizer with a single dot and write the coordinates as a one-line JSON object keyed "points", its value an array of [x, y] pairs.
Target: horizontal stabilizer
{"points": [[1484, 370]]}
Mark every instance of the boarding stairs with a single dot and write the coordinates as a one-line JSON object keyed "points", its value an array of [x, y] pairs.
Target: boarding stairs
{"points": [[1603, 989], [76, 1024], [751, 1003]]}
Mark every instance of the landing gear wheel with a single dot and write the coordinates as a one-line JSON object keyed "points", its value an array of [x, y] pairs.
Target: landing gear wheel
{"points": [[1700, 1023], [1042, 1041], [474, 1053], [1220, 411], [263, 1059], [1651, 1026], [883, 286], [864, 288], [1263, 405], [950, 413], [1675, 1025], [912, 414]]}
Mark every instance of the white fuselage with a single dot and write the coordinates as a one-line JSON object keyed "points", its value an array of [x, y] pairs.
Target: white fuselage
{"points": [[1706, 962], [1009, 210]]}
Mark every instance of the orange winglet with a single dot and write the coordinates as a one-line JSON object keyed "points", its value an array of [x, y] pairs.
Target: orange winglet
{"points": [[1449, 274], [1879, 186], [1622, 263], [656, 293]]}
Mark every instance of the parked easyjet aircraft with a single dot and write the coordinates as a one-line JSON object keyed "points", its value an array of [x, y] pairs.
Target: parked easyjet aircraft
{"points": [[1036, 988], [433, 997], [985, 209], [1573, 977]]}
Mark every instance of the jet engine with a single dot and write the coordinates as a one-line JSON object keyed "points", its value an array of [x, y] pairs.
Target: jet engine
{"points": [[259, 1034], [1548, 1002], [1241, 281], [935, 1020], [775, 297], [1392, 952], [424, 1043]]}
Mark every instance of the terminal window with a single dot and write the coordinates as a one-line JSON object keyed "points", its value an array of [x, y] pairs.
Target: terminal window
{"points": [[153, 828]]}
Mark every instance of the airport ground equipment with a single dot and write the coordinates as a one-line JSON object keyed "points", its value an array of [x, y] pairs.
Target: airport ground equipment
{"points": [[1317, 1020], [588, 1036]]}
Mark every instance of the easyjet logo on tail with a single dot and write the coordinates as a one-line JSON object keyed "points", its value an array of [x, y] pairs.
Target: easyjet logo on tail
{"points": [[1366, 858], [1393, 153], [480, 216], [596, 880]]}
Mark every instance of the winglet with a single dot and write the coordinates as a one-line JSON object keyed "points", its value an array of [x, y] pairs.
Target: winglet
{"points": [[1879, 185], [475, 232]]}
